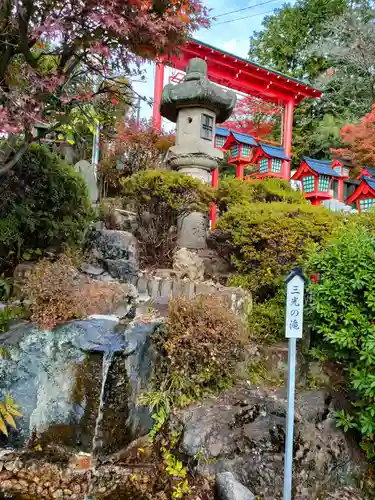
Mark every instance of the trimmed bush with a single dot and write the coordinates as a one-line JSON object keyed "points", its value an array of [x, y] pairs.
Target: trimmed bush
{"points": [[235, 191], [266, 321], [265, 240], [342, 315], [58, 293], [159, 198], [44, 203]]}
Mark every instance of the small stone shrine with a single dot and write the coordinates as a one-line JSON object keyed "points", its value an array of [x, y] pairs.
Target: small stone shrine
{"points": [[196, 105]]}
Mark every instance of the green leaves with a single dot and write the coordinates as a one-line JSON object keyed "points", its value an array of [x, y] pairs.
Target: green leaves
{"points": [[343, 315], [282, 42], [264, 240], [8, 410], [46, 203], [6, 287], [344, 420]]}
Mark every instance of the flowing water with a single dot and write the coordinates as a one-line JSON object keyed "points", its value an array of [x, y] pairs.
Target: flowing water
{"points": [[97, 440]]}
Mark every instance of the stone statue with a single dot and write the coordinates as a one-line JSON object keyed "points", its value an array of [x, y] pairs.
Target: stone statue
{"points": [[196, 104]]}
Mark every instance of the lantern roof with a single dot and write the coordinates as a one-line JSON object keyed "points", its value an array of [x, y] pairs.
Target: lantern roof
{"points": [[239, 138], [322, 167], [343, 161], [222, 131], [196, 90], [370, 170], [370, 182], [244, 138], [366, 183], [274, 151]]}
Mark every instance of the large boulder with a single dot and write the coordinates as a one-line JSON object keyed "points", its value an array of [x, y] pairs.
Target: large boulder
{"points": [[243, 432], [78, 384], [118, 252]]}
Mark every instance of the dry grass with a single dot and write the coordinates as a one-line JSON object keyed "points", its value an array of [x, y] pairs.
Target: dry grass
{"points": [[203, 339], [58, 293]]}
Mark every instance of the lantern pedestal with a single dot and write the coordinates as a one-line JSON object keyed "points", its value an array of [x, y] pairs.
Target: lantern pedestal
{"points": [[192, 227]]}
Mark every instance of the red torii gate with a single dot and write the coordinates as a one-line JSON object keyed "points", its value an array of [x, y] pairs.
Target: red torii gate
{"points": [[243, 76]]}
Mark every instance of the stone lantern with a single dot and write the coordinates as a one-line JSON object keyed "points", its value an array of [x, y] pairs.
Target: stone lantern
{"points": [[195, 105]]}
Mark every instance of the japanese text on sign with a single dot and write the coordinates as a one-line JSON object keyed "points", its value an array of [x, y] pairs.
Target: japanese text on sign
{"points": [[294, 308]]}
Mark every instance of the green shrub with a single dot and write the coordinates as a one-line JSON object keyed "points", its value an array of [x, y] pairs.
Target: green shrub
{"points": [[342, 315], [265, 240], [235, 191], [266, 321], [44, 203], [159, 198]]}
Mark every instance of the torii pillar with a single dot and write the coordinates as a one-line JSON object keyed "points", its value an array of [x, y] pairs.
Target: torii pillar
{"points": [[287, 138], [158, 91]]}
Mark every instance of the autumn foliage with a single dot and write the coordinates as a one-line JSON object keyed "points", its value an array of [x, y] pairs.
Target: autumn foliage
{"points": [[136, 147], [359, 140], [53, 55], [254, 117]]}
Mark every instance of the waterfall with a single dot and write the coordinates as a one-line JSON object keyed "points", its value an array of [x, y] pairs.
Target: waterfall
{"points": [[97, 441]]}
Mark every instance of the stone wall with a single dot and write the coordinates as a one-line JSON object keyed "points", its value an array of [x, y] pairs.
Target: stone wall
{"points": [[166, 284]]}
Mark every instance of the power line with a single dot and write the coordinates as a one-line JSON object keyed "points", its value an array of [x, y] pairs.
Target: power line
{"points": [[241, 18], [244, 8]]}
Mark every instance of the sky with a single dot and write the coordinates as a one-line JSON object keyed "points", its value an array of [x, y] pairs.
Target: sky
{"points": [[232, 37]]}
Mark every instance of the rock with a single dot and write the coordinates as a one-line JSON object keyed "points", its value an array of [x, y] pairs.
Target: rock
{"points": [[57, 378], [114, 245], [106, 277], [215, 266], [243, 432], [122, 269], [123, 310], [189, 264], [118, 252], [227, 488], [92, 270]]}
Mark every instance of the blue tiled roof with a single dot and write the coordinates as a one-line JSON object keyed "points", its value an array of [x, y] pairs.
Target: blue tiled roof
{"points": [[222, 131], [274, 151], [370, 170], [244, 138], [322, 167], [370, 182]]}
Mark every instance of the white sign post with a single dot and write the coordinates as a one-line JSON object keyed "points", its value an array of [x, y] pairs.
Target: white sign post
{"points": [[295, 284]]}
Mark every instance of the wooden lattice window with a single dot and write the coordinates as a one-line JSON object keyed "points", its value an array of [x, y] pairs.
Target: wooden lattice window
{"points": [[263, 166], [246, 150], [366, 203], [220, 141], [323, 184], [308, 183], [276, 165], [207, 127]]}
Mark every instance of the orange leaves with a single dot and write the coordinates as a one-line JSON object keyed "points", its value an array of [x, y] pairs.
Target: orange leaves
{"points": [[360, 140]]}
